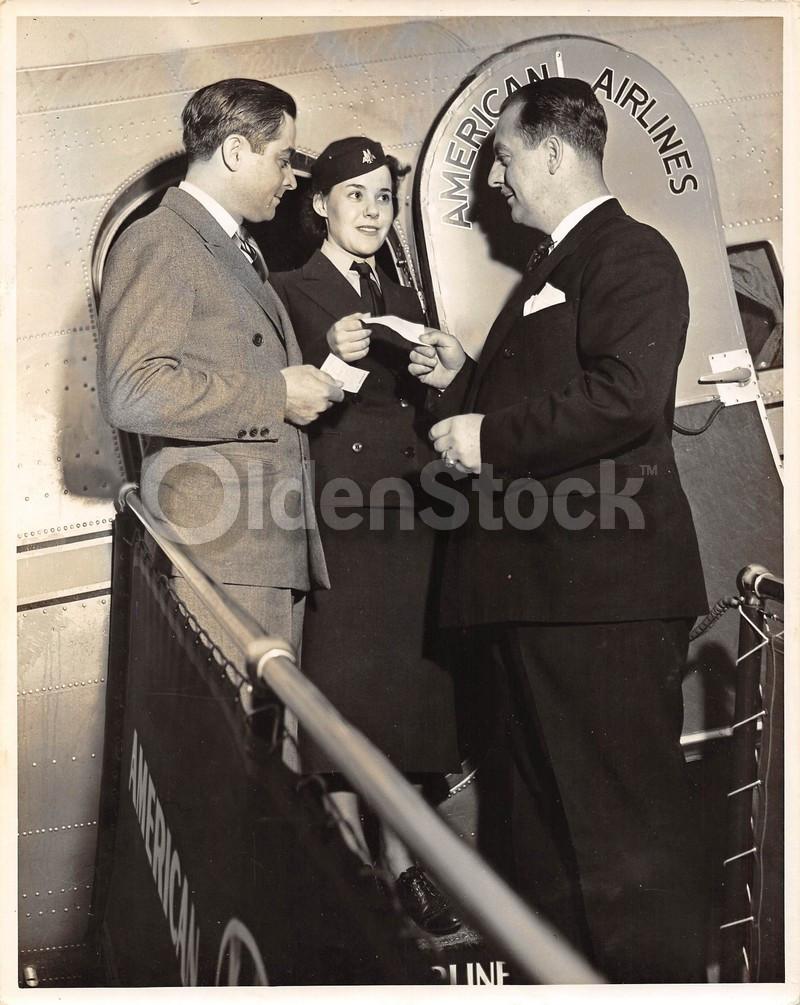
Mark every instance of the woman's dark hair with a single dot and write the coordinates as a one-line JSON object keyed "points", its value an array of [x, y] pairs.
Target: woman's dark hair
{"points": [[314, 225], [252, 108], [564, 107]]}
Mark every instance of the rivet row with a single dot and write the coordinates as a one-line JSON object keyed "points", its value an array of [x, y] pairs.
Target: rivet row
{"points": [[73, 526], [60, 687], [64, 889], [47, 949], [53, 830]]}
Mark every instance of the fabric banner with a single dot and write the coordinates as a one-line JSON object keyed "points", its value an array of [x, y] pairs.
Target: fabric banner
{"points": [[225, 867]]}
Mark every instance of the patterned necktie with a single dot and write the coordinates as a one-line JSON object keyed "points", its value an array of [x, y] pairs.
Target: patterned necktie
{"points": [[540, 252], [251, 252], [371, 296]]}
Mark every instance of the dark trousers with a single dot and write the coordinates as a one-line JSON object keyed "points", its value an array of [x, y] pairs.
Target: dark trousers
{"points": [[599, 810]]}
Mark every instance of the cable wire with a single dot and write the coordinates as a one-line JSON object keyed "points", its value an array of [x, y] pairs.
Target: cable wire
{"points": [[685, 431]]}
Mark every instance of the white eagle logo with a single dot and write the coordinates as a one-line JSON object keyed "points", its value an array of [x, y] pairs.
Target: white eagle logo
{"points": [[367, 157]]}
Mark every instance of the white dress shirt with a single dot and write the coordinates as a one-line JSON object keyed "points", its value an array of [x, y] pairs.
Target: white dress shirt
{"points": [[574, 218], [220, 214], [342, 260]]}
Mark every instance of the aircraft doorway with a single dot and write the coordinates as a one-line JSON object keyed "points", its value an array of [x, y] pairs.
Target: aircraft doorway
{"points": [[283, 241]]}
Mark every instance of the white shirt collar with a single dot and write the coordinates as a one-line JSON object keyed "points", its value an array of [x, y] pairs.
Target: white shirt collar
{"points": [[574, 218], [342, 260], [220, 214]]}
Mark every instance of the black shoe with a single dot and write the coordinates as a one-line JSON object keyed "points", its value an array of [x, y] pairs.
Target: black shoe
{"points": [[425, 903]]}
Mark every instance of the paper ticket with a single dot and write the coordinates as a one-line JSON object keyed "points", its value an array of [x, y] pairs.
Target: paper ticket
{"points": [[351, 377], [408, 329]]}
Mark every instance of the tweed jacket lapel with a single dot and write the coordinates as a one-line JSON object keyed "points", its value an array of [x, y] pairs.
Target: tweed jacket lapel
{"points": [[533, 281], [225, 250]]}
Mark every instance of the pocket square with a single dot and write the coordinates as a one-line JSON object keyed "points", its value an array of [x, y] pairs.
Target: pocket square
{"points": [[548, 296]]}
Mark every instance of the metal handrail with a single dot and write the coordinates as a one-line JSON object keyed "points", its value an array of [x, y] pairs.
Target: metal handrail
{"points": [[535, 947]]}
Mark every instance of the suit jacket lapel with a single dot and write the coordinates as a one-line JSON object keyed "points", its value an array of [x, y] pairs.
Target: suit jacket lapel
{"points": [[328, 288], [225, 250], [533, 281]]}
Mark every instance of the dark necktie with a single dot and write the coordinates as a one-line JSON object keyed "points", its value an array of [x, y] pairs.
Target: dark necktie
{"points": [[540, 252], [371, 296], [251, 252]]}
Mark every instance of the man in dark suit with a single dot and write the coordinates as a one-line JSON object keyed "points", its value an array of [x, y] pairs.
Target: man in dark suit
{"points": [[198, 354], [579, 562]]}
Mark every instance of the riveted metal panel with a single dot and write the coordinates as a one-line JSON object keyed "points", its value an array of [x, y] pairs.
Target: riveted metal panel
{"points": [[61, 714], [288, 56], [65, 570], [37, 181], [498, 32], [366, 100], [50, 272], [748, 139], [63, 860], [268, 60], [62, 652], [121, 138], [716, 46], [68, 463], [95, 83], [390, 43]]}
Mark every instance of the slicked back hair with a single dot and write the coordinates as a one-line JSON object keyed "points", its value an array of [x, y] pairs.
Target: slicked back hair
{"points": [[250, 108], [563, 107]]}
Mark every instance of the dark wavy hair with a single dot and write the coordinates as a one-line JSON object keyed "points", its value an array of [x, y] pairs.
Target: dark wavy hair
{"points": [[563, 107], [252, 108], [314, 225]]}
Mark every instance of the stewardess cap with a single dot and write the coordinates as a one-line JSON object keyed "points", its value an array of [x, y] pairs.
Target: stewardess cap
{"points": [[347, 158]]}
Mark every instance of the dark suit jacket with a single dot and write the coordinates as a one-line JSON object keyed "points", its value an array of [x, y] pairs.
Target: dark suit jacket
{"points": [[192, 343], [381, 432], [563, 389]]}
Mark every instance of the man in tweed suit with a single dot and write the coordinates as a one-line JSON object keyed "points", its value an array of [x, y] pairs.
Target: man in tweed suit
{"points": [[198, 355]]}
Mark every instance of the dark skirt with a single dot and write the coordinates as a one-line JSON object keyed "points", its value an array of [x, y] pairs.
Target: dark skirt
{"points": [[370, 644]]}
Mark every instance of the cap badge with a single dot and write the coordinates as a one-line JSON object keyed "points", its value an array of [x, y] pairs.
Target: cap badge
{"points": [[367, 157]]}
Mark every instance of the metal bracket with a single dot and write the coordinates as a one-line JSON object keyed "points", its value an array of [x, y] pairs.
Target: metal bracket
{"points": [[734, 376]]}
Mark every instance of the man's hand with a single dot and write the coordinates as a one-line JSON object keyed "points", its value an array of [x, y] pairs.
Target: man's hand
{"points": [[438, 360], [348, 339], [458, 440], [309, 392]]}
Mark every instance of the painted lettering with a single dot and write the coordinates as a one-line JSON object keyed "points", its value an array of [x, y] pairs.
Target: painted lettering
{"points": [[458, 191], [158, 850], [165, 864], [174, 871], [470, 132], [141, 790], [680, 159], [636, 96], [132, 772], [679, 186], [663, 132], [457, 216], [459, 157], [148, 827]]}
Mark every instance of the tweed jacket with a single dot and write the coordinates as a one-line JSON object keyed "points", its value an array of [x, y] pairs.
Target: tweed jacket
{"points": [[192, 344]]}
